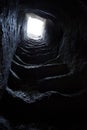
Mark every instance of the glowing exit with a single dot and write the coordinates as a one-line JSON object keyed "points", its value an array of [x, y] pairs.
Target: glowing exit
{"points": [[35, 27]]}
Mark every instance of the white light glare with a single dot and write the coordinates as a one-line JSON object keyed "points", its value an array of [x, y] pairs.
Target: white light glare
{"points": [[35, 27]]}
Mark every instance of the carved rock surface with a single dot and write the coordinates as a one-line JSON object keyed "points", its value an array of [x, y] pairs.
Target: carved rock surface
{"points": [[46, 79]]}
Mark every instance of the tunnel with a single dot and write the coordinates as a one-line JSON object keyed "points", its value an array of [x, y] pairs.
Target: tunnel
{"points": [[43, 64]]}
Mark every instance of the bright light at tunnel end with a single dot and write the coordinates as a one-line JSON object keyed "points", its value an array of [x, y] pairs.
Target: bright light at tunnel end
{"points": [[35, 27]]}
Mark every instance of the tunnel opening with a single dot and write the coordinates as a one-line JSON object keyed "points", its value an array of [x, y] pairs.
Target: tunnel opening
{"points": [[35, 27]]}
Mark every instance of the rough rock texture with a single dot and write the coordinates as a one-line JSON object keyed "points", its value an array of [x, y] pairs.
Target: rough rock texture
{"points": [[61, 88]]}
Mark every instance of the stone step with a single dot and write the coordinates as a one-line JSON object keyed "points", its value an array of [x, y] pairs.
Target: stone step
{"points": [[38, 71], [24, 76]]}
